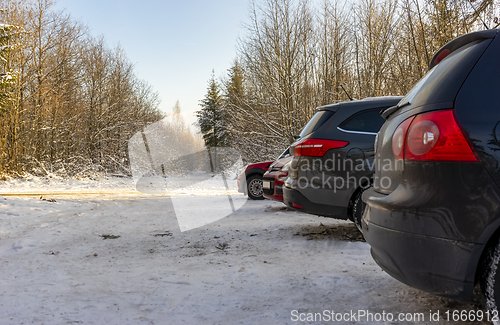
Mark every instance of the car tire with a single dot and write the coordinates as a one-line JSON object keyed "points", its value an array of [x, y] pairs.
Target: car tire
{"points": [[490, 279], [357, 208], [254, 187]]}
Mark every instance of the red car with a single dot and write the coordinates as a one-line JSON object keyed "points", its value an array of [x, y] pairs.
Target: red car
{"points": [[253, 175], [274, 178]]}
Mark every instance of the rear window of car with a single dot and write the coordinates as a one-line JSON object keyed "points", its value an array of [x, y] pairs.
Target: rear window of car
{"points": [[442, 83], [285, 154], [315, 122], [366, 122]]}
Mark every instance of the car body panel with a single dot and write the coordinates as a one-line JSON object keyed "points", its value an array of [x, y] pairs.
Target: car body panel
{"points": [[325, 185], [438, 92], [471, 106], [258, 168], [432, 270], [430, 226]]}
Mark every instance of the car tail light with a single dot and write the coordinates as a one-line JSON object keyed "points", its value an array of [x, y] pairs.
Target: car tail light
{"points": [[441, 55], [282, 176], [399, 138], [296, 206], [317, 147], [433, 136]]}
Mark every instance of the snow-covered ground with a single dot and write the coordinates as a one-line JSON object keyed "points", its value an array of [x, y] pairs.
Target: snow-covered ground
{"points": [[122, 259], [59, 185]]}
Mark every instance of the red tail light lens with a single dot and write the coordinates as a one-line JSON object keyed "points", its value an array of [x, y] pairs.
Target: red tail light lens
{"points": [[317, 147], [433, 136], [282, 176], [444, 53], [436, 136], [423, 137], [399, 138]]}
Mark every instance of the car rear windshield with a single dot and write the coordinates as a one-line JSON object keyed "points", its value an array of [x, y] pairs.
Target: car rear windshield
{"points": [[285, 154], [364, 122], [442, 83], [315, 122]]}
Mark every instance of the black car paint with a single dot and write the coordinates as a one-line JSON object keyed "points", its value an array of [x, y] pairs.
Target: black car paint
{"points": [[429, 228], [438, 93], [306, 187]]}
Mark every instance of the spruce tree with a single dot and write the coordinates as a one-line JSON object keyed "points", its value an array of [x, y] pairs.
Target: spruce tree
{"points": [[212, 116], [235, 89]]}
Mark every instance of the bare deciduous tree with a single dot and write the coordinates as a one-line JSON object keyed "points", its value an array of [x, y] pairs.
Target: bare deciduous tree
{"points": [[75, 102]]}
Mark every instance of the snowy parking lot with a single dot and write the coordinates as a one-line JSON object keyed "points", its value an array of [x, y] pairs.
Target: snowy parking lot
{"points": [[112, 256]]}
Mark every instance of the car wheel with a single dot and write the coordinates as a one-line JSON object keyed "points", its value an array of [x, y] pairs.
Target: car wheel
{"points": [[358, 208], [254, 187], [490, 279]]}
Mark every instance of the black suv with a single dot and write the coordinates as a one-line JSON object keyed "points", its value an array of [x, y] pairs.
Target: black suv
{"points": [[433, 214], [333, 158]]}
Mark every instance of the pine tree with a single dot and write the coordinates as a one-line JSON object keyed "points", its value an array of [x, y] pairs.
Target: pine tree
{"points": [[235, 88], [177, 119], [177, 108], [212, 116], [239, 124]]}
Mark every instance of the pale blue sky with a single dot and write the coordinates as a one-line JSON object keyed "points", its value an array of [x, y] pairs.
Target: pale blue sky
{"points": [[174, 45]]}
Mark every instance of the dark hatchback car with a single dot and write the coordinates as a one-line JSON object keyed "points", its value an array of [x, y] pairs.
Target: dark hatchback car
{"points": [[331, 164], [433, 214]]}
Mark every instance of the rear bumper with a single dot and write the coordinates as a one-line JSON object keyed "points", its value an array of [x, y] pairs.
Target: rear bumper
{"points": [[433, 264], [295, 200], [240, 184], [275, 191]]}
